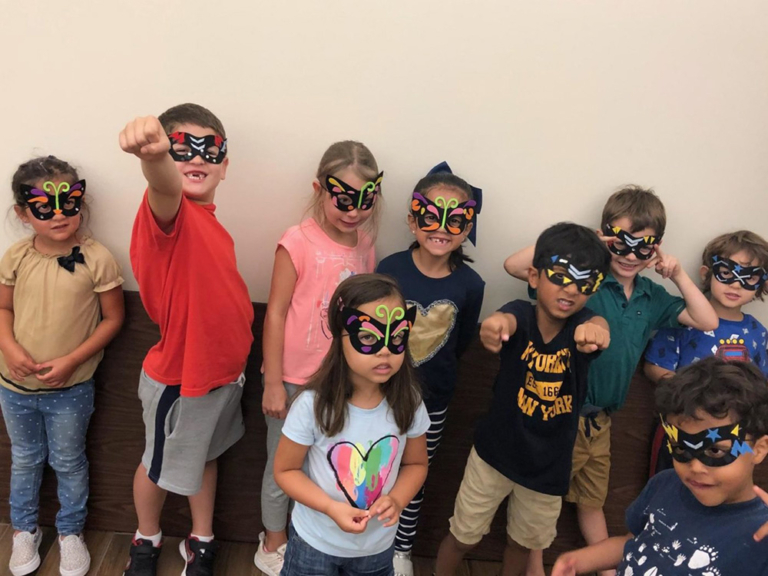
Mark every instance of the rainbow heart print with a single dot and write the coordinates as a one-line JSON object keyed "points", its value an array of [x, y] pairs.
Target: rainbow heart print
{"points": [[361, 474]]}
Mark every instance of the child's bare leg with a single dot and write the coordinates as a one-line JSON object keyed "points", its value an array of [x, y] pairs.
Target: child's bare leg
{"points": [[535, 565], [201, 504], [515, 559], [593, 528], [449, 555], [148, 498]]}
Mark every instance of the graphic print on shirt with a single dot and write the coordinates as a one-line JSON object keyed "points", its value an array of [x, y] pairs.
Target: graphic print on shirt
{"points": [[330, 271], [432, 329], [540, 397], [661, 551], [732, 349], [361, 474]]}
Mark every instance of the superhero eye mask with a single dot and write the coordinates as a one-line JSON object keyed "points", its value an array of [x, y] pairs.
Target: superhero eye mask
{"points": [[625, 244], [560, 271], [185, 146], [708, 446]]}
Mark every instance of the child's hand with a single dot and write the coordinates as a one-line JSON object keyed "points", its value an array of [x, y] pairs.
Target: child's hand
{"points": [[494, 331], [20, 363], [274, 401], [591, 337], [607, 239], [665, 264], [146, 138], [57, 372], [349, 518], [762, 532], [565, 566], [386, 510]]}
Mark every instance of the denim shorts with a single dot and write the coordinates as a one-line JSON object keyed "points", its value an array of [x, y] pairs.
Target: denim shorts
{"points": [[301, 559]]}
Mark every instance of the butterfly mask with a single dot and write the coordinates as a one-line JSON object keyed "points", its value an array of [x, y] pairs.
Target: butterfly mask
{"points": [[347, 198], [62, 198], [185, 146], [369, 335], [450, 215]]}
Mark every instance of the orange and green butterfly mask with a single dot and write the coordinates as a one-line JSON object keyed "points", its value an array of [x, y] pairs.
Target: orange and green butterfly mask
{"points": [[62, 198]]}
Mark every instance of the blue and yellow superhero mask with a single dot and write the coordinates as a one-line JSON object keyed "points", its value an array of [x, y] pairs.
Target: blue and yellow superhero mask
{"points": [[62, 198], [712, 447], [560, 271]]}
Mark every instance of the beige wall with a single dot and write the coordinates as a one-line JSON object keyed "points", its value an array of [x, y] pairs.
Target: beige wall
{"points": [[547, 105]]}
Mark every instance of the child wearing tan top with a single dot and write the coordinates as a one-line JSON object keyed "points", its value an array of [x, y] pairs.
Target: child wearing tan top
{"points": [[61, 302]]}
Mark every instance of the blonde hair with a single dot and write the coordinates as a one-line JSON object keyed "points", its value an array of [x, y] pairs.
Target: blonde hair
{"points": [[726, 245], [641, 206], [357, 157]]}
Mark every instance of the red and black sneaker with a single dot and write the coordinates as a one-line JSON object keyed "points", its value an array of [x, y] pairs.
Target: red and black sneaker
{"points": [[198, 555], [143, 560]]}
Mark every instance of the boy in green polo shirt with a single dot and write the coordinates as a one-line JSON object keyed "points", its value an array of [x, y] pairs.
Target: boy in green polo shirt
{"points": [[632, 226]]}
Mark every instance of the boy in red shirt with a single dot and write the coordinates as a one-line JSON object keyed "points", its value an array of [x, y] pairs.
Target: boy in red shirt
{"points": [[191, 382]]}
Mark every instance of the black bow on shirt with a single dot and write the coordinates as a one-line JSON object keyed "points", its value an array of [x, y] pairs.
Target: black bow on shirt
{"points": [[68, 262]]}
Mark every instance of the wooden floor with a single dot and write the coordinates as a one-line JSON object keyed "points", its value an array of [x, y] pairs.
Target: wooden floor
{"points": [[109, 552]]}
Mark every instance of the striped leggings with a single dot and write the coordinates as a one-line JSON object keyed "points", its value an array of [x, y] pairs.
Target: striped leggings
{"points": [[409, 518]]}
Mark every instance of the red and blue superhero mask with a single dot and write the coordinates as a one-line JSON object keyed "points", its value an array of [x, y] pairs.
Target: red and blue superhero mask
{"points": [[726, 271], [449, 215], [347, 198], [368, 335], [62, 198], [712, 447], [642, 247], [185, 146]]}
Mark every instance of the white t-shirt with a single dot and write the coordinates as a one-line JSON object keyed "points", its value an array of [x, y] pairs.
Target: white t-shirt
{"points": [[356, 466]]}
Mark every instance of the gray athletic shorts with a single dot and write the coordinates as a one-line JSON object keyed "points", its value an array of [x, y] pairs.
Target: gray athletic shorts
{"points": [[182, 434]]}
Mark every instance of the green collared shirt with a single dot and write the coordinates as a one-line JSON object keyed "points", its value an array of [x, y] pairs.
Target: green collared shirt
{"points": [[631, 322]]}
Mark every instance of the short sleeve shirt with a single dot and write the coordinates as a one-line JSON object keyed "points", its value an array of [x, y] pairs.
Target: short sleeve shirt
{"points": [[55, 310], [743, 341], [675, 534], [529, 433], [631, 322], [191, 288], [356, 466], [321, 264]]}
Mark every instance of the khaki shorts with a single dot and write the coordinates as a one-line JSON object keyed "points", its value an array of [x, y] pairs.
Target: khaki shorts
{"points": [[591, 464], [531, 516]]}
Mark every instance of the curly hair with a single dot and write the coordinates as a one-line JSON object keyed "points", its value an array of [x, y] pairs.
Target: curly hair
{"points": [[717, 388]]}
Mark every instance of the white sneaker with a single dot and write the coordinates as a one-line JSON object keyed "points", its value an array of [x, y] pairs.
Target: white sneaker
{"points": [[269, 562], [402, 563], [25, 558], [75, 560]]}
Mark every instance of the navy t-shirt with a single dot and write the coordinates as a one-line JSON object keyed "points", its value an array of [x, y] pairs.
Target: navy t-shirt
{"points": [[529, 433], [446, 321], [677, 534]]}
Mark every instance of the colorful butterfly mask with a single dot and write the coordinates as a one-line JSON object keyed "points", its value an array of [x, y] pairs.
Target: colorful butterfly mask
{"points": [[560, 271], [347, 198], [642, 247], [62, 198], [185, 146], [685, 447], [727, 271], [450, 215], [368, 335]]}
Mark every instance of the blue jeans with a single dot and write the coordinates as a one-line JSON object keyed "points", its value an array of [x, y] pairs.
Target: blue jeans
{"points": [[301, 559], [52, 427]]}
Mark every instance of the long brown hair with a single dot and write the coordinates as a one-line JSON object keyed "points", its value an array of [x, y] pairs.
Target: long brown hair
{"points": [[331, 383]]}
